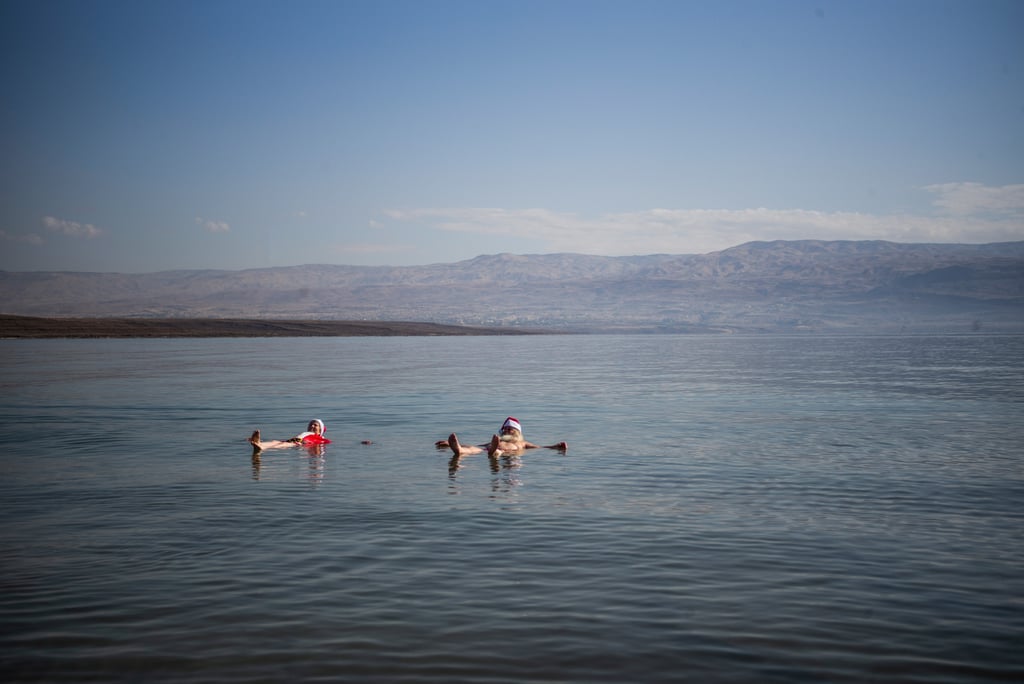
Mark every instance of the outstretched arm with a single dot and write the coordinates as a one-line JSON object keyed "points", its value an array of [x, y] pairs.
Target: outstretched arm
{"points": [[561, 446]]}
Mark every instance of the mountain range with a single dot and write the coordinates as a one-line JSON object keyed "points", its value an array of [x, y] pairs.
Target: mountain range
{"points": [[781, 286]]}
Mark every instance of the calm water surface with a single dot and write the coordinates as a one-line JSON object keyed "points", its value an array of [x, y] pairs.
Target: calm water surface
{"points": [[731, 509]]}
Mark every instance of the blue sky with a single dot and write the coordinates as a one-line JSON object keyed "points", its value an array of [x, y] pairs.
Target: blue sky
{"points": [[144, 136]]}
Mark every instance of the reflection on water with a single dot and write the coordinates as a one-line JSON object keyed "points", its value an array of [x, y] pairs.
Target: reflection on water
{"points": [[505, 471], [277, 461], [504, 468]]}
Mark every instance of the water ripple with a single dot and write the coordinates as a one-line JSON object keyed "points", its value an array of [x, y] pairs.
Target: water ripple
{"points": [[771, 510]]}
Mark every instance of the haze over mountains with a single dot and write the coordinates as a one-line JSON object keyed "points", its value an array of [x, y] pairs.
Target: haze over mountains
{"points": [[868, 286]]}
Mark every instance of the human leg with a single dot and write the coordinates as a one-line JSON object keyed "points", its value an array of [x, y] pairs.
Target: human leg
{"points": [[460, 449], [259, 445]]}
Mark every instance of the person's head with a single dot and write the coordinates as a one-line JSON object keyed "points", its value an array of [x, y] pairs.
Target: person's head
{"points": [[512, 428], [316, 425]]}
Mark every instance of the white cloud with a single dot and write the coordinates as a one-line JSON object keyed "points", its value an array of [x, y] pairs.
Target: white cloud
{"points": [[690, 231], [71, 228], [975, 198], [26, 238], [211, 226]]}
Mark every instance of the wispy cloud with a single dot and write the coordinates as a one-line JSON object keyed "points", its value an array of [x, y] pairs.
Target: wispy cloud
{"points": [[25, 238], [71, 228], [969, 213], [212, 226]]}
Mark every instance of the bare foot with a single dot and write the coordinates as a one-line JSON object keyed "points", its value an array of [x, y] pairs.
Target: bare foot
{"points": [[255, 441], [453, 442], [562, 446], [441, 444], [492, 448]]}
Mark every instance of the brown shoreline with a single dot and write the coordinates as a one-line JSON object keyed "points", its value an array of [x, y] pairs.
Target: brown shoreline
{"points": [[31, 327]]}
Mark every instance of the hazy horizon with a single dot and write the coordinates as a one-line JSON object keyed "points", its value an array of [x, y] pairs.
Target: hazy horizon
{"points": [[483, 256]]}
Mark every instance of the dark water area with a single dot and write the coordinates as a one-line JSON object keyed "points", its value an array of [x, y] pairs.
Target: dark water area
{"points": [[730, 509]]}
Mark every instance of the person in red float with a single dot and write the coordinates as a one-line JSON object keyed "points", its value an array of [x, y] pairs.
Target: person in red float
{"points": [[509, 441], [313, 436]]}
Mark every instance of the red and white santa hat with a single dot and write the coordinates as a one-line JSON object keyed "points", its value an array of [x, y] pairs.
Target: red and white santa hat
{"points": [[511, 422]]}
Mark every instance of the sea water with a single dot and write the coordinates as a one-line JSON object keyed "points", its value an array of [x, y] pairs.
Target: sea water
{"points": [[730, 509]]}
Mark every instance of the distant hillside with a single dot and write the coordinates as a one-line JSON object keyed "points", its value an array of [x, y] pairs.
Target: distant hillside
{"points": [[758, 286]]}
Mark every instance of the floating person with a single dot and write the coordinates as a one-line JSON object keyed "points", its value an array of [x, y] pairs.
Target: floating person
{"points": [[313, 436], [509, 441]]}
